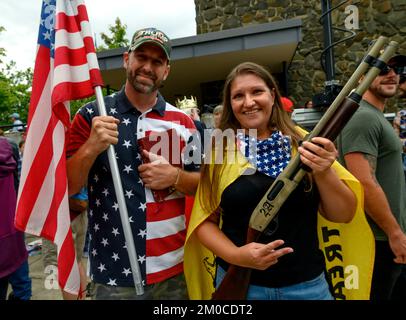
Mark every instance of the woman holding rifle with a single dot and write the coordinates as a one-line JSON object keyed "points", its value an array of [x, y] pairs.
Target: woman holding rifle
{"points": [[286, 260]]}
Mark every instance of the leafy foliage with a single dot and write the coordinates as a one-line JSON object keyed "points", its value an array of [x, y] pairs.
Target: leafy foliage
{"points": [[75, 105], [117, 38], [15, 85]]}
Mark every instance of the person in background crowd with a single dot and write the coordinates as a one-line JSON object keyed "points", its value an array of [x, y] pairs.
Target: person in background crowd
{"points": [[217, 111], [17, 123], [189, 106], [287, 104], [13, 253], [399, 291], [308, 104], [370, 149]]}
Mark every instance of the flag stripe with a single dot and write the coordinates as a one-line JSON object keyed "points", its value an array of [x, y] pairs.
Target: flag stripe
{"points": [[34, 180], [157, 247], [41, 72], [53, 224], [78, 90], [66, 68], [160, 229], [158, 211], [74, 57], [165, 261], [161, 275], [72, 9], [72, 40], [73, 23]]}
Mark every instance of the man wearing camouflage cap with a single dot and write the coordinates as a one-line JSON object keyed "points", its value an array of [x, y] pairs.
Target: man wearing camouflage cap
{"points": [[158, 225]]}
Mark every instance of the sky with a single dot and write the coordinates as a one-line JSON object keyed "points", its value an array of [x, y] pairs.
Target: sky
{"points": [[20, 18]]}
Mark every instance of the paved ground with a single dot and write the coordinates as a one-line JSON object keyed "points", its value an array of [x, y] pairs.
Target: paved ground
{"points": [[43, 287], [39, 289]]}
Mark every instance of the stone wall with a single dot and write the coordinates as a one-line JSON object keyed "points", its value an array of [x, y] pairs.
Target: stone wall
{"points": [[306, 77]]}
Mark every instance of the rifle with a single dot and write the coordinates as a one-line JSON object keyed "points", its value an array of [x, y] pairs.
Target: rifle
{"points": [[236, 281]]}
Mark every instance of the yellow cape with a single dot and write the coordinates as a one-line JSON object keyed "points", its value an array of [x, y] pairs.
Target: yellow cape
{"points": [[348, 248]]}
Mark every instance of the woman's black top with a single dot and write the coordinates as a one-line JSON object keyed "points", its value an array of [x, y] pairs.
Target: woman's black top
{"points": [[295, 223]]}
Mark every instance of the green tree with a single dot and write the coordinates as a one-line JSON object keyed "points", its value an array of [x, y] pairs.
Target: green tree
{"points": [[75, 105], [117, 38]]}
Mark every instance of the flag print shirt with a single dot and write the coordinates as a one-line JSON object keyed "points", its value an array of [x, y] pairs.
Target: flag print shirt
{"points": [[158, 228]]}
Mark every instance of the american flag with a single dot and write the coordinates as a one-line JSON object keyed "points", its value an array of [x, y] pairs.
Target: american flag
{"points": [[66, 68]]}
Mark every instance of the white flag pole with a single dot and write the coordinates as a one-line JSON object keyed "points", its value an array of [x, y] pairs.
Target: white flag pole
{"points": [[132, 253]]}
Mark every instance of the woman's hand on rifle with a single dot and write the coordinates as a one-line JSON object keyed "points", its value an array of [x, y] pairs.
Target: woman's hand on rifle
{"points": [[319, 154]]}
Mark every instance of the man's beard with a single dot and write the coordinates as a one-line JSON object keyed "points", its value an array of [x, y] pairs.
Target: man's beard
{"points": [[382, 92], [142, 87]]}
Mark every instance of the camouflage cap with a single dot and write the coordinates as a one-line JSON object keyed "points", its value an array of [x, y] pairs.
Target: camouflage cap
{"points": [[151, 35]]}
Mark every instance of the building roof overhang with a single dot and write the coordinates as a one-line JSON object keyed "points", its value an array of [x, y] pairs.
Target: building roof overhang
{"points": [[211, 56]]}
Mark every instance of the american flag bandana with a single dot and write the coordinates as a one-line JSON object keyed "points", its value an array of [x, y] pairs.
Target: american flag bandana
{"points": [[269, 156]]}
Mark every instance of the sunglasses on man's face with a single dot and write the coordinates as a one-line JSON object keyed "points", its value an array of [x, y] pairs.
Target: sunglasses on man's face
{"points": [[397, 70]]}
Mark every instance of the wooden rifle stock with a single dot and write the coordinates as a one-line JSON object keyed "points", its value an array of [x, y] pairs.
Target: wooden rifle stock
{"points": [[236, 281]]}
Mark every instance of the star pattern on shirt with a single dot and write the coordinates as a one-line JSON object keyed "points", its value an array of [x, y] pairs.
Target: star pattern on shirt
{"points": [[115, 232], [127, 144], [112, 282], [101, 267], [129, 194], [105, 242], [110, 264], [270, 156], [143, 206], [126, 271], [128, 169], [142, 233], [106, 192], [126, 121], [141, 259]]}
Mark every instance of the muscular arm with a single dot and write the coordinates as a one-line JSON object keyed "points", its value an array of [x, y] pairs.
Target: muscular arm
{"points": [[337, 201], [160, 174], [78, 167], [188, 182], [103, 133], [363, 167]]}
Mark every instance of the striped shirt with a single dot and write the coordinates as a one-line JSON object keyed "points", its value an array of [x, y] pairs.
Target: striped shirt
{"points": [[158, 227]]}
